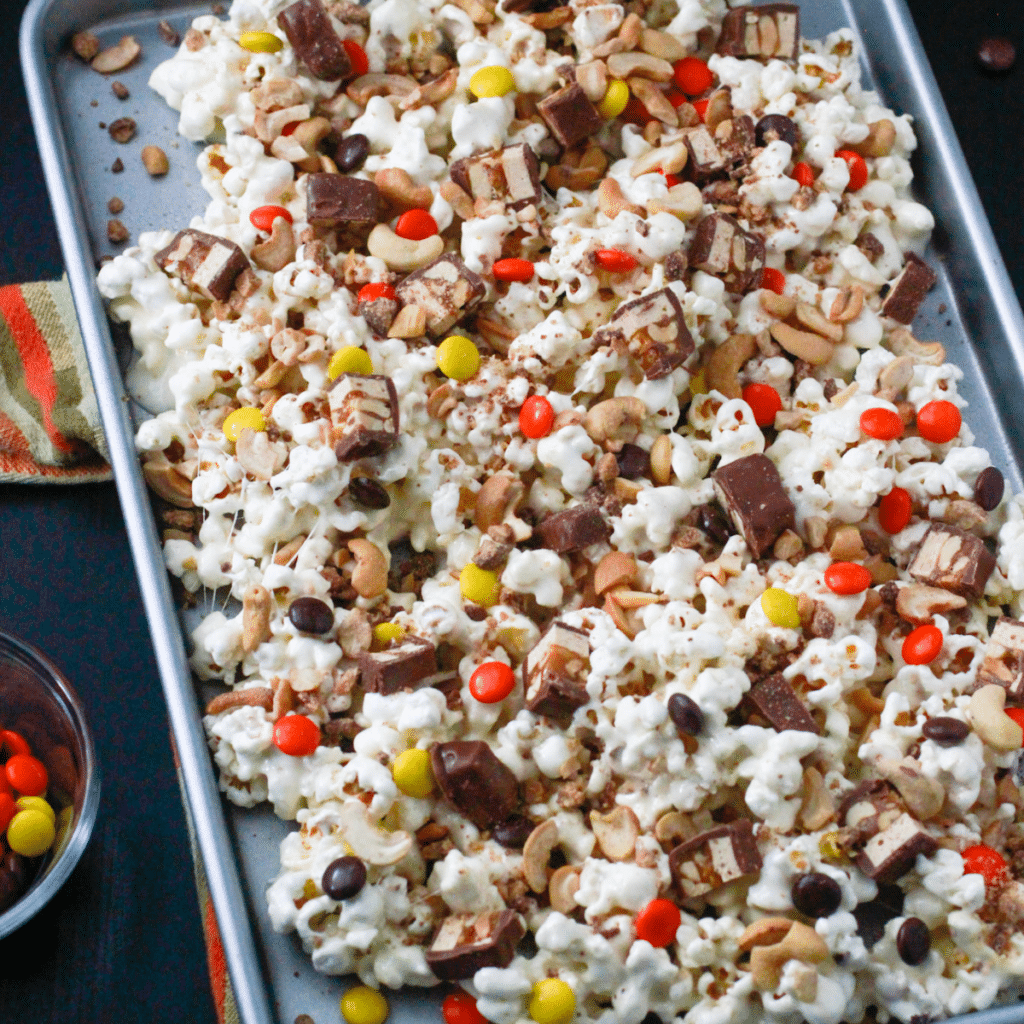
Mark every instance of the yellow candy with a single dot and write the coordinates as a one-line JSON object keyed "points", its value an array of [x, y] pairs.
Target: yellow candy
{"points": [[780, 608], [480, 586], [350, 359], [35, 803], [260, 42], [491, 81], [616, 96], [828, 846], [385, 632], [458, 357], [364, 1005], [30, 833], [552, 1002], [698, 386], [248, 416], [412, 773]]}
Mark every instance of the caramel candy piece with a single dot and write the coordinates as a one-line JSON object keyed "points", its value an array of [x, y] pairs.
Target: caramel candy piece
{"points": [[777, 702], [908, 290], [715, 858], [573, 529], [206, 263], [474, 781], [1004, 658], [722, 248], [405, 665], [465, 943], [771, 30], [750, 490], [310, 31], [446, 290], [953, 559], [555, 673], [570, 115], [653, 330], [333, 199], [511, 175], [364, 412]]}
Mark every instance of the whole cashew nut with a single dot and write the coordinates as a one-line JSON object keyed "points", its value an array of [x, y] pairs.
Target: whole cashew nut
{"points": [[812, 348], [801, 942], [537, 852], [562, 888], [397, 185], [723, 366], [403, 253], [368, 841], [278, 250], [616, 832], [165, 480], [370, 575], [496, 503], [924, 796], [990, 721], [615, 419]]}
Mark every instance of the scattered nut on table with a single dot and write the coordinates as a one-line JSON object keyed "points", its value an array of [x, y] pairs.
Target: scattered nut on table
{"points": [[116, 231], [117, 57], [122, 130], [154, 159]]}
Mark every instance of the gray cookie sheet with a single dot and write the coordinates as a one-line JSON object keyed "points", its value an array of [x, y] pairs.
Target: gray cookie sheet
{"points": [[980, 324]]}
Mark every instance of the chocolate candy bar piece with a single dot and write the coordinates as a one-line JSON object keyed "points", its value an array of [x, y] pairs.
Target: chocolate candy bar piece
{"points": [[706, 160], [379, 314], [555, 673], [953, 559], [865, 801], [333, 199], [207, 263], [715, 858], [404, 666], [573, 529], [750, 490], [467, 942], [446, 290], [736, 139], [776, 701], [907, 291], [511, 174], [772, 30], [311, 33], [653, 330], [570, 115], [364, 412], [474, 781], [892, 852], [722, 248], [1004, 658]]}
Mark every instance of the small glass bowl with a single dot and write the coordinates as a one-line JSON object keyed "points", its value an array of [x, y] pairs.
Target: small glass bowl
{"points": [[39, 703]]}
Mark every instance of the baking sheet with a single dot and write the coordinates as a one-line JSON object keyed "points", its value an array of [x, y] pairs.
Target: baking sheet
{"points": [[973, 300]]}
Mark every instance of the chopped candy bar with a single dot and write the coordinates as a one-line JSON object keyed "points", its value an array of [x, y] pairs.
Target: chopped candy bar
{"points": [[364, 412], [715, 858], [208, 264], [511, 175], [777, 702], [653, 330], [379, 313], [570, 115], [310, 31], [474, 781], [953, 559], [722, 248], [446, 290], [333, 199], [465, 943], [555, 673], [705, 158], [893, 851], [1004, 658], [771, 30], [907, 291], [750, 490], [573, 529], [406, 665]]}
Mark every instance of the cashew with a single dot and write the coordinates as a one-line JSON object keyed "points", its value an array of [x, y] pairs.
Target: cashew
{"points": [[766, 931], [309, 134], [370, 574], [674, 826], [592, 78], [354, 633], [168, 482], [457, 197], [255, 617], [611, 200], [895, 376], [812, 348], [965, 514], [719, 109], [250, 697], [435, 91], [369, 842], [496, 503], [917, 603], [562, 889], [811, 316], [683, 201], [816, 807], [623, 65], [924, 796], [441, 401], [801, 943], [616, 569], [815, 528], [287, 345], [154, 159], [848, 305], [271, 376], [656, 102], [667, 159], [398, 186], [403, 253], [537, 852], [258, 455], [616, 832], [661, 44], [278, 250], [615, 419], [276, 94], [661, 460], [365, 87], [902, 342], [410, 322], [118, 57], [721, 373], [286, 553], [879, 141], [991, 723], [630, 599], [780, 306]]}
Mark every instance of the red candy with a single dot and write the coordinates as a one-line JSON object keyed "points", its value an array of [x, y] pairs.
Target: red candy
{"points": [[658, 922], [12, 742], [357, 55], [701, 106], [922, 645], [984, 861], [512, 270], [372, 292], [883, 424], [615, 261], [774, 280], [492, 682], [1017, 714], [26, 775], [764, 402], [692, 76], [858, 169], [536, 417], [8, 808], [847, 578], [296, 735], [938, 422], [803, 175], [894, 510], [415, 225], [263, 217], [460, 1008]]}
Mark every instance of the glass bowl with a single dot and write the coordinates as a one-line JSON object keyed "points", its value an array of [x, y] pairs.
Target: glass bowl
{"points": [[39, 703]]}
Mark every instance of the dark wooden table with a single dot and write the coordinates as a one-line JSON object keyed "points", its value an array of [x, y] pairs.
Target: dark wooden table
{"points": [[122, 940]]}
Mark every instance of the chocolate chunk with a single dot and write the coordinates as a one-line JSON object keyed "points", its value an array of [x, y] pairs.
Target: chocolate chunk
{"points": [[996, 54], [570, 115], [513, 832], [352, 151], [511, 175], [403, 666], [1004, 658], [379, 314], [633, 461], [893, 851], [573, 529], [333, 199], [310, 31], [947, 731], [368, 493], [676, 265], [870, 246], [776, 127], [913, 941], [953, 559], [714, 858], [750, 490], [653, 330], [706, 160], [206, 263], [722, 248], [736, 139], [907, 291], [815, 894], [446, 290], [364, 413], [771, 30], [555, 673], [474, 781], [465, 943], [988, 488], [865, 801], [777, 702], [713, 522], [872, 917]]}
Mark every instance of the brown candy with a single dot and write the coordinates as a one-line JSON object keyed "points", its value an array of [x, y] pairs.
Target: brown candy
{"points": [[777, 702], [403, 666], [510, 175], [333, 199], [653, 330], [771, 30], [953, 559], [446, 290], [908, 290], [714, 858], [555, 673], [206, 263], [750, 490], [722, 248], [1004, 658], [310, 31], [364, 414], [474, 781], [570, 115], [573, 529], [893, 850], [465, 943]]}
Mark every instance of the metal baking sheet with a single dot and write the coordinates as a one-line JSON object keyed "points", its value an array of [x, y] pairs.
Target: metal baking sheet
{"points": [[980, 324]]}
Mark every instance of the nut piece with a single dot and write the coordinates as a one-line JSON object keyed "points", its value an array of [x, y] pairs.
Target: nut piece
{"points": [[537, 852], [278, 250], [880, 139], [496, 503], [616, 832], [990, 721], [661, 460], [902, 342], [616, 569], [368, 841], [801, 943], [168, 482], [812, 317], [848, 305], [122, 130], [85, 45], [611, 200], [661, 44], [116, 58], [924, 796], [154, 159], [812, 348], [562, 889], [255, 617], [917, 603], [816, 808], [250, 697], [615, 419], [622, 65], [765, 932], [721, 373], [403, 253], [370, 575]]}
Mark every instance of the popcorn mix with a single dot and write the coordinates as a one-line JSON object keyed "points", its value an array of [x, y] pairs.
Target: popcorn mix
{"points": [[608, 586]]}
